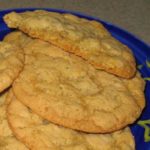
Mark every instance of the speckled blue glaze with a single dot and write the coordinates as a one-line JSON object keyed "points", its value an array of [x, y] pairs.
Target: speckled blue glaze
{"points": [[140, 50]]}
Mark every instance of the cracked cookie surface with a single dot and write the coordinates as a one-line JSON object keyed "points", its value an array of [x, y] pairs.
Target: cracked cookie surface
{"points": [[7, 139], [40, 134], [18, 38], [66, 90], [11, 63], [85, 38]]}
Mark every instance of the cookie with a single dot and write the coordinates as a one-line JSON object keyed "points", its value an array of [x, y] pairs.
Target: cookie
{"points": [[40, 134], [11, 63], [18, 38], [85, 38], [29, 45], [7, 139], [68, 91]]}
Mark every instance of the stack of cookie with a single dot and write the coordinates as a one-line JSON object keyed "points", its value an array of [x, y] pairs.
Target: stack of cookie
{"points": [[66, 84]]}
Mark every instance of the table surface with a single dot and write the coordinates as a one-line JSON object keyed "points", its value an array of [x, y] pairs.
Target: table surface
{"points": [[132, 15]]}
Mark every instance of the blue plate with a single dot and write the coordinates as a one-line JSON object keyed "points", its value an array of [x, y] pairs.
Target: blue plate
{"points": [[141, 128]]}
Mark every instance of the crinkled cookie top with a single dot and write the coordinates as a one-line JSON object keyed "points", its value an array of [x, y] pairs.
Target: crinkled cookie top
{"points": [[85, 38], [11, 63], [66, 90], [40, 134], [7, 139]]}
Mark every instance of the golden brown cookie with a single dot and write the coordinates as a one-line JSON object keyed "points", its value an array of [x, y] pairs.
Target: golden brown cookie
{"points": [[39, 134], [88, 39], [7, 139], [68, 91], [18, 38], [11, 63]]}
